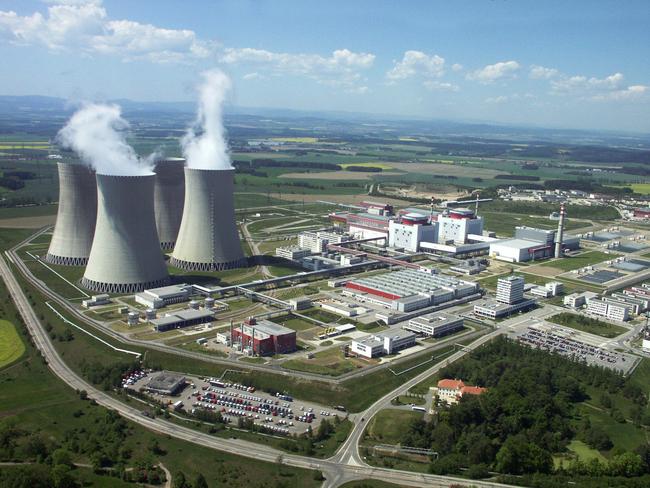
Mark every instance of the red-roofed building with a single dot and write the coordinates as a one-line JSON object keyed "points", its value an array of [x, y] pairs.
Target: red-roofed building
{"points": [[451, 391]]}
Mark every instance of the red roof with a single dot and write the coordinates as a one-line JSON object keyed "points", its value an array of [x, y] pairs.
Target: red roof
{"points": [[472, 390], [451, 384]]}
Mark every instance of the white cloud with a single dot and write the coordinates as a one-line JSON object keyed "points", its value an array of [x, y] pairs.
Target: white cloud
{"points": [[417, 62], [456, 67], [252, 76], [496, 100], [434, 85], [84, 26], [632, 92], [541, 72], [611, 87], [494, 72], [342, 68]]}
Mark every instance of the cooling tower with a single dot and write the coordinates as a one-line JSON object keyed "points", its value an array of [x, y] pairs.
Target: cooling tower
{"points": [[208, 238], [75, 220], [168, 195], [125, 255]]}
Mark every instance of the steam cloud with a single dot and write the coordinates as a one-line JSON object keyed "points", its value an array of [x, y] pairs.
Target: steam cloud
{"points": [[204, 143], [96, 133]]}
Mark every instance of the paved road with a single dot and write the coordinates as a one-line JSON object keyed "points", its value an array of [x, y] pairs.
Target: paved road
{"points": [[338, 469]]}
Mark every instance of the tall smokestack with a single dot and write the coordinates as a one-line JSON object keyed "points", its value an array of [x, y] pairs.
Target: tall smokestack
{"points": [[75, 220], [168, 197], [208, 239], [125, 255], [560, 232]]}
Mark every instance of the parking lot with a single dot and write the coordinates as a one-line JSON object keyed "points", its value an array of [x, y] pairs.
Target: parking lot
{"points": [[564, 341], [280, 415]]}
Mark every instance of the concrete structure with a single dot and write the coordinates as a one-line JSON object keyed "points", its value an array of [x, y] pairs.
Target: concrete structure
{"points": [[364, 225], [408, 289], [495, 310], [577, 300], [168, 198], [642, 213], [75, 221], [548, 290], [611, 310], [560, 232], [451, 391], [317, 241], [208, 239], [292, 253], [530, 244], [645, 344], [412, 230], [300, 303], [125, 256], [456, 225], [510, 289], [182, 319], [166, 295], [387, 342], [263, 337], [166, 383], [96, 300], [435, 324]]}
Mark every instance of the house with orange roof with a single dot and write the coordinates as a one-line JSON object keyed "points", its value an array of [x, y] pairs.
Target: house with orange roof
{"points": [[451, 391]]}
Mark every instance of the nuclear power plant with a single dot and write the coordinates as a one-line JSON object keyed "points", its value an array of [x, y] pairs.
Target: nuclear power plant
{"points": [[208, 239], [75, 220], [125, 256], [168, 197]]}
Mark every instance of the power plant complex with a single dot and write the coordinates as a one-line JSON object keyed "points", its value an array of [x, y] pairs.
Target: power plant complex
{"points": [[118, 226], [208, 239]]}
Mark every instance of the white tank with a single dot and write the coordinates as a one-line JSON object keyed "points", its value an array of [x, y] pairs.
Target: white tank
{"points": [[208, 239], [168, 196], [125, 255], [75, 220]]}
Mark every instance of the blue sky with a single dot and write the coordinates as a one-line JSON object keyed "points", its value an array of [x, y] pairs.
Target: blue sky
{"points": [[580, 64]]}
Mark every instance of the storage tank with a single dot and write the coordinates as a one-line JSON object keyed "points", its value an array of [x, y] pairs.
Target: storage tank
{"points": [[208, 239], [75, 220], [125, 256], [168, 197]]}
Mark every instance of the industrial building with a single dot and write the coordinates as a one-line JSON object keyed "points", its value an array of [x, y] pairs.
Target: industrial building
{"points": [[456, 226], [551, 289], [73, 233], [509, 299], [125, 256], [435, 324], [181, 319], [317, 241], [388, 342], [642, 213], [96, 300], [262, 337], [168, 197], [530, 244], [292, 253], [160, 297], [208, 239], [409, 289], [410, 231], [364, 225], [577, 300], [166, 383], [609, 309]]}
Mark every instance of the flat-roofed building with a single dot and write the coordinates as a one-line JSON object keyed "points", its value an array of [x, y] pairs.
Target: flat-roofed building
{"points": [[262, 337], [182, 319], [166, 295], [611, 310], [166, 383], [292, 253], [387, 342], [435, 324]]}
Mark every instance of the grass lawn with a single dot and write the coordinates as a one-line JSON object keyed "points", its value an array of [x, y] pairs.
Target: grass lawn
{"points": [[329, 362], [369, 484], [388, 426], [587, 324], [574, 262], [625, 436], [11, 346], [295, 323], [584, 452]]}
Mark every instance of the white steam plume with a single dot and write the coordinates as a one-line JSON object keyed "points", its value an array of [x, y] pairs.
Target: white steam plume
{"points": [[204, 143], [96, 133]]}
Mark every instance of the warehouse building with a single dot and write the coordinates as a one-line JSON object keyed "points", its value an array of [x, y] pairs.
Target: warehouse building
{"points": [[530, 244], [166, 383], [166, 295], [182, 319], [407, 290], [388, 342], [261, 337], [435, 324]]}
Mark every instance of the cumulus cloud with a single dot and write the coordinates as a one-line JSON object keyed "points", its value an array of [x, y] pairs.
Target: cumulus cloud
{"points": [[456, 67], [97, 133], [342, 68], [434, 85], [494, 72], [417, 62], [541, 72], [204, 144], [85, 26], [611, 87]]}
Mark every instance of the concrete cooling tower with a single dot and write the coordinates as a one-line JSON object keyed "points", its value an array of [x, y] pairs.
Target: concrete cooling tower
{"points": [[75, 221], [168, 196], [208, 238], [125, 255]]}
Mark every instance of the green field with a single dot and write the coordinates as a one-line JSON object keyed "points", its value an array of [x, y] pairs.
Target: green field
{"points": [[11, 346], [574, 262], [330, 362], [388, 426], [587, 324]]}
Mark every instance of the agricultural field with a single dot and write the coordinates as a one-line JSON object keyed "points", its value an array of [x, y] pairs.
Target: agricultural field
{"points": [[11, 345]]}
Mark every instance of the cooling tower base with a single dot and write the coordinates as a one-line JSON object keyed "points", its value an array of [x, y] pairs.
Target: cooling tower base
{"points": [[122, 287], [167, 246], [192, 266], [65, 260]]}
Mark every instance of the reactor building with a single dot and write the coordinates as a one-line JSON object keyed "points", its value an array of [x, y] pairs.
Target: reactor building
{"points": [[125, 256], [168, 198], [208, 239], [75, 220]]}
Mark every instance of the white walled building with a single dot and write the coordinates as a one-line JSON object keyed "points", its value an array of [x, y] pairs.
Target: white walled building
{"points": [[457, 225], [408, 236], [387, 342], [435, 324], [510, 289]]}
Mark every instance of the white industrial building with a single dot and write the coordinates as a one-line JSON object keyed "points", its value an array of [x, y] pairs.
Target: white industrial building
{"points": [[611, 310], [510, 289], [317, 241], [551, 289], [387, 342], [530, 244], [455, 226], [409, 235], [292, 253], [159, 297], [510, 299], [435, 324]]}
